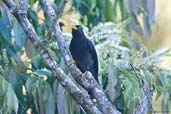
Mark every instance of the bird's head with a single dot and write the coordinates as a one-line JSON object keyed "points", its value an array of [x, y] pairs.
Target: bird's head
{"points": [[77, 30]]}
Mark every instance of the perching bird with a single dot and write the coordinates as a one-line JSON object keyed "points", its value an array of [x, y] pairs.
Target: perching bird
{"points": [[83, 52]]}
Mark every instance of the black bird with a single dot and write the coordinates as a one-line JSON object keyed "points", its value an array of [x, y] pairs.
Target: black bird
{"points": [[83, 52]]}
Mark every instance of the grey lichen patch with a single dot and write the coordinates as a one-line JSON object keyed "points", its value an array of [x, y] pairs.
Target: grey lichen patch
{"points": [[23, 7]]}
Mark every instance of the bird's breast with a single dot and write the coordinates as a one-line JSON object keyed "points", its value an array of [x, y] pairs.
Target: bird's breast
{"points": [[78, 48]]}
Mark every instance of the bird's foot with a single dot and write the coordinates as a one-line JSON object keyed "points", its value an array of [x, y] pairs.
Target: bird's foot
{"points": [[72, 62]]}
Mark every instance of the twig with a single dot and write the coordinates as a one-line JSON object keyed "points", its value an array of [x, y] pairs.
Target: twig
{"points": [[54, 17], [139, 80], [81, 97], [145, 101], [147, 92], [60, 8]]}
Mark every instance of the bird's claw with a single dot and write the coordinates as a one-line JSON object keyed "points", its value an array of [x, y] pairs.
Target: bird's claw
{"points": [[72, 62]]}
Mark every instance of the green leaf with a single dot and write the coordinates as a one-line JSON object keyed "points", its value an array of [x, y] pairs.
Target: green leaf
{"points": [[125, 43], [127, 94], [61, 103], [150, 7], [82, 6], [12, 101], [19, 35], [162, 79], [132, 78], [40, 30], [165, 102], [31, 2], [57, 2], [32, 15], [50, 101], [93, 4], [124, 8], [112, 81], [5, 25], [147, 27], [9, 99], [125, 4], [42, 93], [136, 26], [108, 11], [43, 72], [19, 90], [158, 91], [132, 6], [36, 61]]}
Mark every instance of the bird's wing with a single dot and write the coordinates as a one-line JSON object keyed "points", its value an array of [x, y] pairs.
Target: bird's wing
{"points": [[94, 55]]}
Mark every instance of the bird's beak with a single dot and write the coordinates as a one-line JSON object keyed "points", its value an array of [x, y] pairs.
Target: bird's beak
{"points": [[74, 27]]}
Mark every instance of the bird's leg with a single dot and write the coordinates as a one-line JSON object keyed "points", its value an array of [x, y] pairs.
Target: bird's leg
{"points": [[72, 62]]}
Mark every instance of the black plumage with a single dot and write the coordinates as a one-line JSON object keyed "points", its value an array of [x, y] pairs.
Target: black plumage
{"points": [[83, 52]]}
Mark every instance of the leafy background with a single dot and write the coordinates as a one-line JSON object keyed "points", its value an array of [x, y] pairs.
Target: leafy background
{"points": [[115, 27]]}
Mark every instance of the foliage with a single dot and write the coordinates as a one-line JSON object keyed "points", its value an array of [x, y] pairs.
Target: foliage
{"points": [[94, 11], [26, 84], [115, 56], [9, 101]]}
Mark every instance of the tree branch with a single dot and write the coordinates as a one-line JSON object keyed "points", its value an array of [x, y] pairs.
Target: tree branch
{"points": [[143, 106], [86, 80], [81, 97], [52, 15]]}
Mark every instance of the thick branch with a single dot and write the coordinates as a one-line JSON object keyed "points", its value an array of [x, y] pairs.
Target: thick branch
{"points": [[86, 80], [81, 97]]}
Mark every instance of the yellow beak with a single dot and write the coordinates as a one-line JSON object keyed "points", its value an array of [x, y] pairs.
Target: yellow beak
{"points": [[74, 27]]}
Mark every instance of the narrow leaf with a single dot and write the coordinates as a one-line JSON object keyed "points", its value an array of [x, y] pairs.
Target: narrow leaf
{"points": [[112, 81], [150, 7], [9, 102], [5, 25], [19, 35], [12, 101], [165, 102], [61, 100], [147, 28]]}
